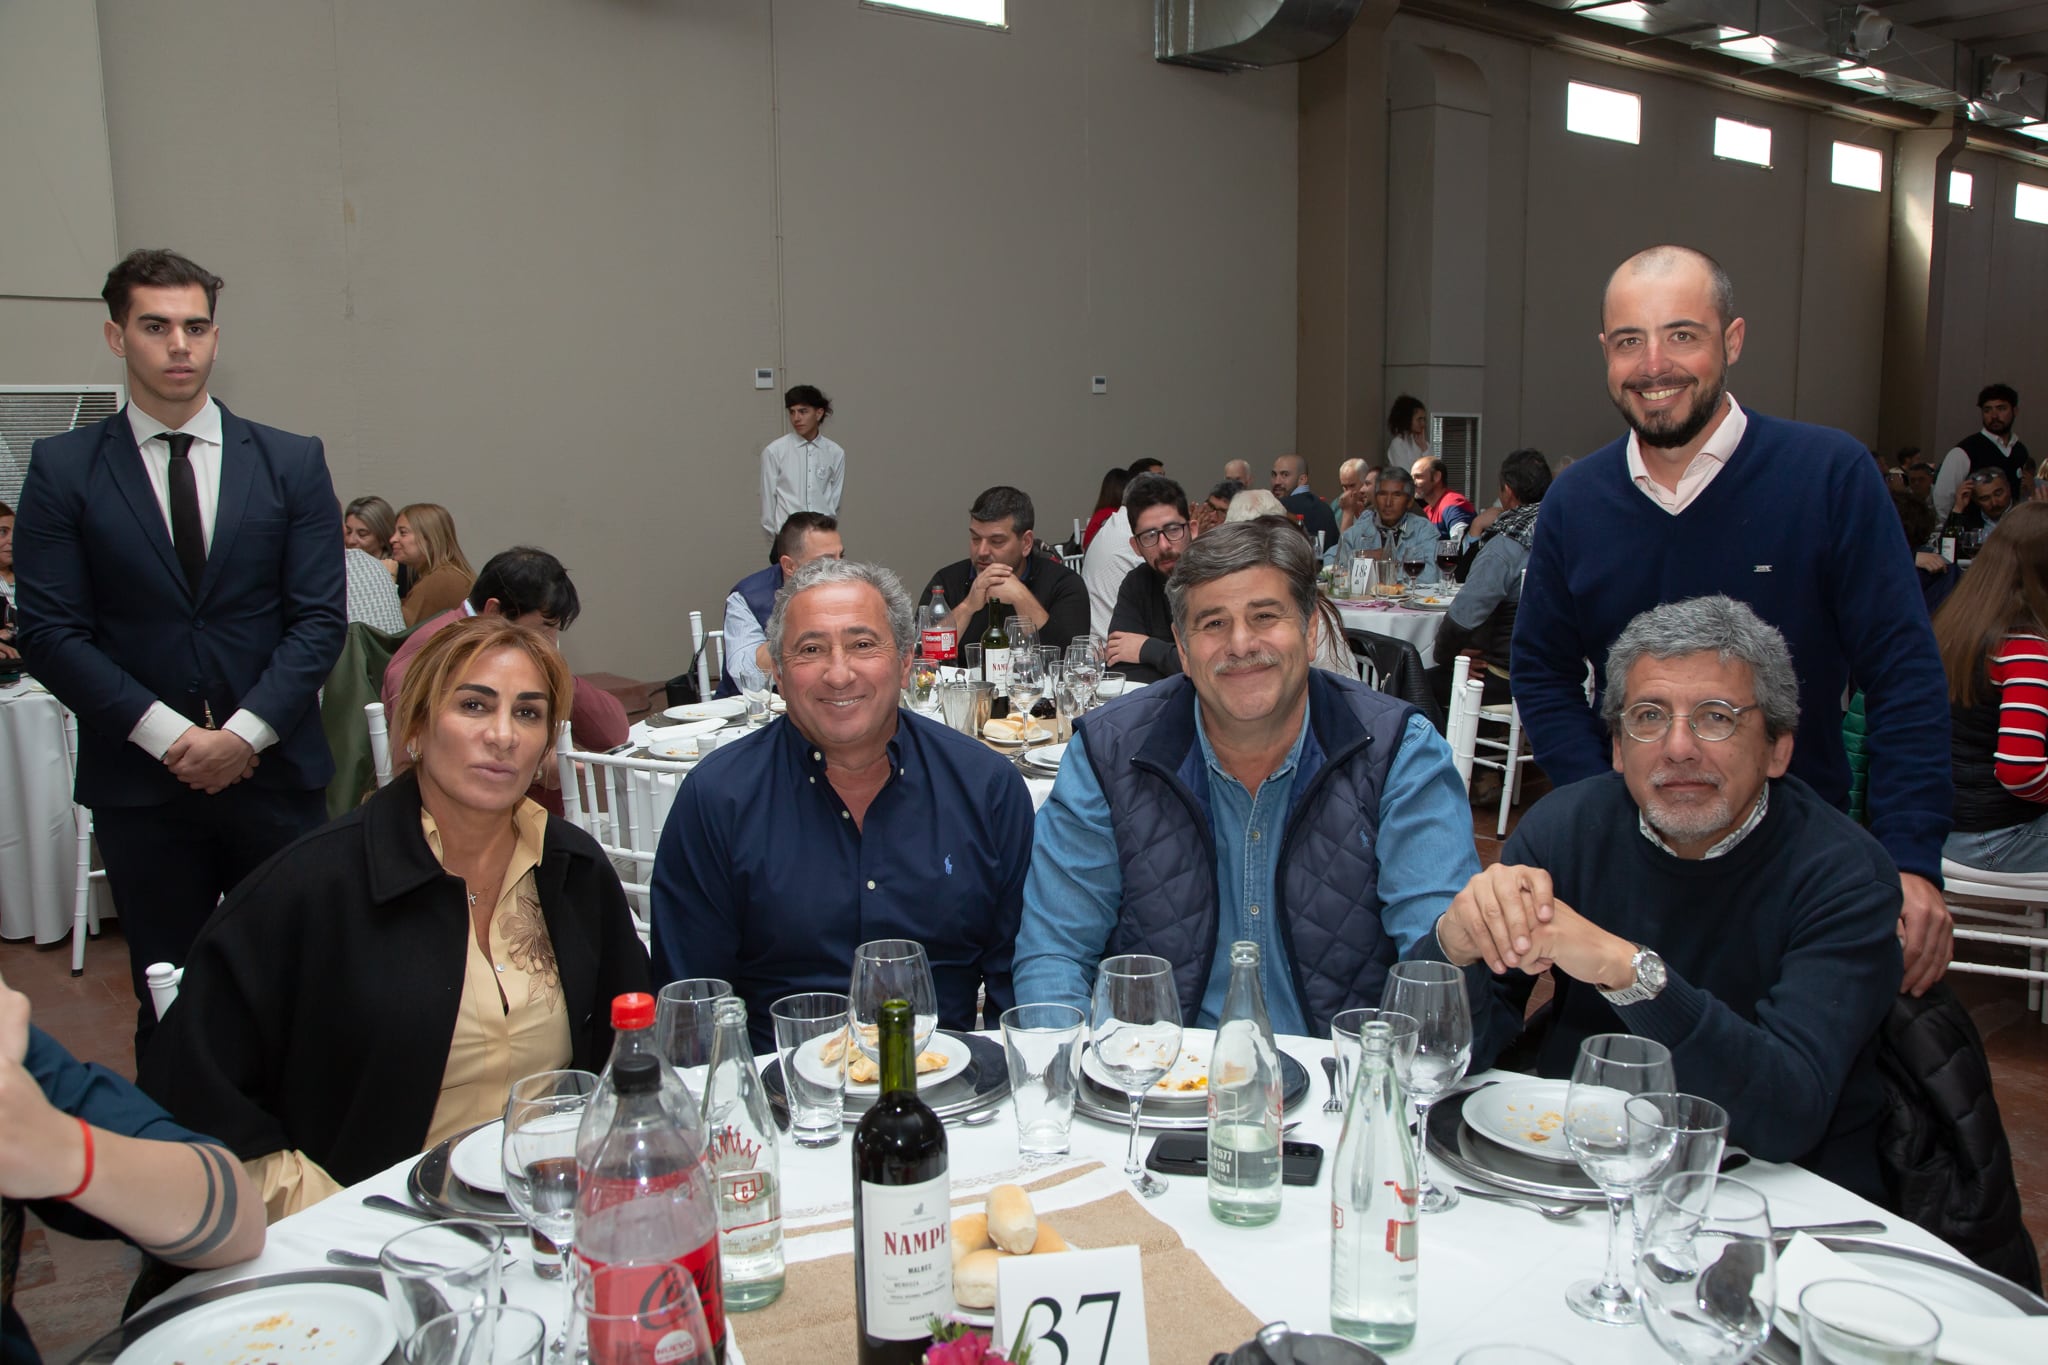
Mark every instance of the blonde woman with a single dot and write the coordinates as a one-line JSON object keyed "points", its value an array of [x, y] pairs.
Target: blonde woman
{"points": [[425, 543]]}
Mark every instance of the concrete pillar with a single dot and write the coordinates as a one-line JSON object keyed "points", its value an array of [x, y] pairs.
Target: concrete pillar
{"points": [[1914, 283]]}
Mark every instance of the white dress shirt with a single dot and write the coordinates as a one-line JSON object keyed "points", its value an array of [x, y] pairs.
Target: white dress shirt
{"points": [[160, 726], [1700, 472], [743, 635], [1955, 467], [1103, 567], [800, 476]]}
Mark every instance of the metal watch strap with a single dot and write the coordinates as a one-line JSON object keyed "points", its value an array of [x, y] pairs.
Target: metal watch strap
{"points": [[1643, 987]]}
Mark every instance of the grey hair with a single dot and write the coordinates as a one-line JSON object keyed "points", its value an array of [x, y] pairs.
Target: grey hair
{"points": [[1240, 545], [821, 573], [1249, 504], [1393, 473], [1701, 625]]}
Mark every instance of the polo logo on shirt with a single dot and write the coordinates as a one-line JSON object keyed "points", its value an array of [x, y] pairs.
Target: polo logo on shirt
{"points": [[1763, 568], [949, 864]]}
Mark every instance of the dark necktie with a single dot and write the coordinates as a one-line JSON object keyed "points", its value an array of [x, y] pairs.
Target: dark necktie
{"points": [[187, 532]]}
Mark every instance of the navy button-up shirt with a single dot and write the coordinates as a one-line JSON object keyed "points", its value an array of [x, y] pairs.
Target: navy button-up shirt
{"points": [[763, 880]]}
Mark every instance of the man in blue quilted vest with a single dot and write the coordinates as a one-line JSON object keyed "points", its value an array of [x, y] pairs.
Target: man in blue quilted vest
{"points": [[1252, 797]]}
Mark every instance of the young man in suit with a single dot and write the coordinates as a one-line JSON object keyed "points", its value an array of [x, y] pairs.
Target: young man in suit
{"points": [[181, 589]]}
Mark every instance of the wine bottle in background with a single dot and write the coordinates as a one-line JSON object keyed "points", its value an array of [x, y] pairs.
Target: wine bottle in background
{"points": [[902, 1208], [1373, 1249], [1244, 1101], [746, 1173], [995, 658]]}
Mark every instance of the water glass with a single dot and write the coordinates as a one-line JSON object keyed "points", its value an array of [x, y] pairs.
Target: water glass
{"points": [[921, 693], [966, 704], [1699, 1135], [1618, 1154], [817, 1091], [1040, 1042], [760, 700], [1856, 1322], [1707, 1278], [624, 1313], [493, 1335], [1346, 1034], [683, 1025], [440, 1268], [970, 658], [1111, 684]]}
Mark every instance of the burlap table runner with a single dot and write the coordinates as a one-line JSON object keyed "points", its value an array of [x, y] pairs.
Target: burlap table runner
{"points": [[1189, 1315]]}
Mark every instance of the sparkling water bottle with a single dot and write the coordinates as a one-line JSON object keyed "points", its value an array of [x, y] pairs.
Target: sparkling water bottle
{"points": [[746, 1173], [1244, 1101], [1372, 1206]]}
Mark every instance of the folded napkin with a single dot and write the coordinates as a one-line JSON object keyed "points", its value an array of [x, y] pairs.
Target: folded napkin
{"points": [[1966, 1338], [1189, 1315]]}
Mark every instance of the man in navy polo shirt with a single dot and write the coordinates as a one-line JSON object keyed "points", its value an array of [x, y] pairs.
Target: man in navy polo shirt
{"points": [[847, 820], [804, 536]]}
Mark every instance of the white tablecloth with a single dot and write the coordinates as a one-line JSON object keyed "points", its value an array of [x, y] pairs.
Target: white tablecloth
{"points": [[1417, 627], [38, 842], [1490, 1273]]}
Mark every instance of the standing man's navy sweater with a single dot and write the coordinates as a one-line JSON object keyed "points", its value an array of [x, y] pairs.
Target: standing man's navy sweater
{"points": [[1783, 959], [1798, 525]]}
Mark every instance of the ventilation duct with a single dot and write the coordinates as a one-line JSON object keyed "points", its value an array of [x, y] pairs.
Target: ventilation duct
{"points": [[1243, 35], [1835, 43]]}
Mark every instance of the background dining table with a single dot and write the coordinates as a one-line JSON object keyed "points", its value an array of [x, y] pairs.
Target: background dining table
{"points": [[1490, 1273], [1417, 625], [38, 841]]}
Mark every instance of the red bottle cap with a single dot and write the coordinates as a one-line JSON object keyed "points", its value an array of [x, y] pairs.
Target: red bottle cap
{"points": [[635, 1009]]}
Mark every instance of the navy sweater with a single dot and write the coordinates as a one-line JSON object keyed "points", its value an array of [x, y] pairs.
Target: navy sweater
{"points": [[1782, 956], [1798, 525]]}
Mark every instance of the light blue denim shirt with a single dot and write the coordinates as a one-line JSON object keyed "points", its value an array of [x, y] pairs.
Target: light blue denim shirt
{"points": [[1074, 891]]}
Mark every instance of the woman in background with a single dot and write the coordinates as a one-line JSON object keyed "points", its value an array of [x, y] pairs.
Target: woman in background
{"points": [[1408, 422], [1107, 500], [1993, 636], [424, 542]]}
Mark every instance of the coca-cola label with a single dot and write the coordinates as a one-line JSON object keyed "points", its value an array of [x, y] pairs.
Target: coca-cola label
{"points": [[906, 1258], [634, 1313], [940, 642]]}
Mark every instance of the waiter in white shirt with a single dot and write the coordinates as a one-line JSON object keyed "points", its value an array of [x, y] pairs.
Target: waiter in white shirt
{"points": [[182, 591], [801, 470]]}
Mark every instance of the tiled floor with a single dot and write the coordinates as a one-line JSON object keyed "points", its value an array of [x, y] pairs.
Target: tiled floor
{"points": [[70, 1292]]}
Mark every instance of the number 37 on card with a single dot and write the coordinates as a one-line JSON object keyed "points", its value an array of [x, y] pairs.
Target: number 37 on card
{"points": [[1078, 1308]]}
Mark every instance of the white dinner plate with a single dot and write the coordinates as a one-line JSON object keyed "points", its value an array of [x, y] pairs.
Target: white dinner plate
{"points": [[723, 708], [1046, 756], [1036, 731], [335, 1324], [680, 741], [1524, 1116], [1188, 1080], [479, 1159], [818, 1073]]}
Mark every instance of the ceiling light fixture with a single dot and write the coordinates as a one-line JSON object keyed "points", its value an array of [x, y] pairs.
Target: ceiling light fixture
{"points": [[2000, 78]]}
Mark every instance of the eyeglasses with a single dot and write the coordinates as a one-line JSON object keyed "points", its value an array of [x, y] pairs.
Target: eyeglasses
{"points": [[1173, 531], [1713, 721]]}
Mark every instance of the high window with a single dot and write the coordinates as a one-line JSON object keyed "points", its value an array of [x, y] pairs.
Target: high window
{"points": [[1858, 167], [1597, 111], [1735, 140]]}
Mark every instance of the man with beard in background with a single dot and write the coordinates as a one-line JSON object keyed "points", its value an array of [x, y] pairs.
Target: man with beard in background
{"points": [[1141, 627], [1649, 520]]}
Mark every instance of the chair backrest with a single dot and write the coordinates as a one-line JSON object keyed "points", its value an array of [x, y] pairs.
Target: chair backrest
{"points": [[707, 648], [163, 980], [1461, 727], [622, 803], [1395, 667], [380, 742], [1073, 561]]}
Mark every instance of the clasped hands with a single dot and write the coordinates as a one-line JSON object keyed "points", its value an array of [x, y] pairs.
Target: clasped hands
{"points": [[1509, 917], [999, 581], [210, 761]]}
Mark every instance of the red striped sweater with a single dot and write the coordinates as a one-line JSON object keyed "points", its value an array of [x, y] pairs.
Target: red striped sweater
{"points": [[2019, 670]]}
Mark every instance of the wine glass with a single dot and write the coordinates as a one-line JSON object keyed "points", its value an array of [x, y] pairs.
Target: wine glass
{"points": [[1707, 1277], [1447, 559], [1618, 1153], [891, 969], [542, 1114], [1412, 565], [1433, 995], [1134, 1027], [1085, 665], [1027, 684]]}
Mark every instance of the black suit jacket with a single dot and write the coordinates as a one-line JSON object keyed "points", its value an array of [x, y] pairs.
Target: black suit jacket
{"points": [[109, 624]]}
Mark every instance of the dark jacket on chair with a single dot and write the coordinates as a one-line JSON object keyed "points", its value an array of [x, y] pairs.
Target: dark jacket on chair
{"points": [[319, 1002], [1941, 1144]]}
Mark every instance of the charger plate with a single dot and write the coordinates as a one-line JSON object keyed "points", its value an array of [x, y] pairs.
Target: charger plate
{"points": [[983, 1082]]}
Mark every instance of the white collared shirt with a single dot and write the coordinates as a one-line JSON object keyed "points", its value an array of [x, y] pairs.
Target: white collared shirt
{"points": [[1721, 846], [800, 476], [1700, 472], [160, 726]]}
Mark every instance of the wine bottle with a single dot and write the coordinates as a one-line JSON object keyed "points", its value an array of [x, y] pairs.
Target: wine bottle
{"points": [[902, 1208], [995, 658], [1244, 1101]]}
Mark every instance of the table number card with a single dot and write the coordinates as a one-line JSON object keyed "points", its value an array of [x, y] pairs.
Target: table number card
{"points": [[1076, 1308]]}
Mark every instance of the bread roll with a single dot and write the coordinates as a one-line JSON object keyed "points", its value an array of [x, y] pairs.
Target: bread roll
{"points": [[974, 1278], [970, 1233], [1011, 1223], [1004, 727], [1048, 1241]]}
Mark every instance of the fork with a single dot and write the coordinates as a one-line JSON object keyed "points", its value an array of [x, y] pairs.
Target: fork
{"points": [[1557, 1213], [1334, 1104]]}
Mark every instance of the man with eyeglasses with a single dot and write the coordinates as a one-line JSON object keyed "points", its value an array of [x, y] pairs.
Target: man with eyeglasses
{"points": [[1141, 627], [1702, 896], [847, 820]]}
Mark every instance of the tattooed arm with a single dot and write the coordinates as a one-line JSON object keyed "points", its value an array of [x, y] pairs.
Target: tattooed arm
{"points": [[175, 1195]]}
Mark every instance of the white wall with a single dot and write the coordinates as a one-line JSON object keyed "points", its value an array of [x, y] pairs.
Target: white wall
{"points": [[521, 258]]}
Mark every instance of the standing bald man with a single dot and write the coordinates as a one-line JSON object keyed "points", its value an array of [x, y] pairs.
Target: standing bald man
{"points": [[1650, 518]]}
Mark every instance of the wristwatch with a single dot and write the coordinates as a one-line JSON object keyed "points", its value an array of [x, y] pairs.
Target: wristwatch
{"points": [[1650, 976]]}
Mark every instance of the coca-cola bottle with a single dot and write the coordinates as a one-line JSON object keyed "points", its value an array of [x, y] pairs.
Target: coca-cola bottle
{"points": [[644, 1205], [937, 640]]}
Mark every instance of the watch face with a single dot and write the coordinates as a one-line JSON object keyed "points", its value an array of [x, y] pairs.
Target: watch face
{"points": [[1649, 971]]}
